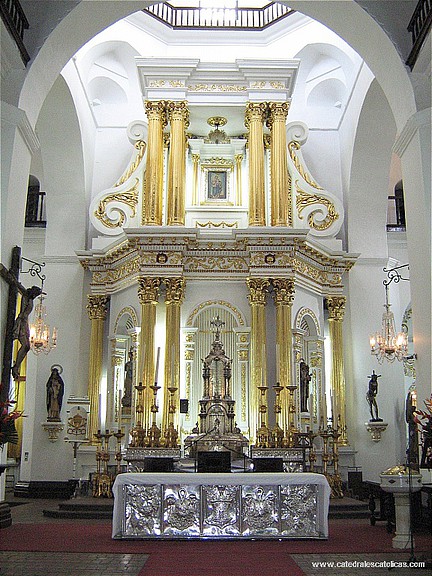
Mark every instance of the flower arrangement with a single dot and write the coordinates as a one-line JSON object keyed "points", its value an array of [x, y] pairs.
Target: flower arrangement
{"points": [[8, 432], [424, 420]]}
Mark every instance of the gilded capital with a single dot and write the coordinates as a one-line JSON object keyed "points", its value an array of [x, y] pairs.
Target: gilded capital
{"points": [[156, 110], [97, 306], [336, 307], [178, 111], [175, 290], [255, 112], [278, 111], [257, 290], [148, 291], [284, 291]]}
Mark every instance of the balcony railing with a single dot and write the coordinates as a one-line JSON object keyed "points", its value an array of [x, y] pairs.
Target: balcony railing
{"points": [[419, 27], [190, 18], [16, 22], [35, 208]]}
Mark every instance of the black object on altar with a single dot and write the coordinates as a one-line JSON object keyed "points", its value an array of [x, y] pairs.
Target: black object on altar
{"points": [[268, 464], [214, 461]]}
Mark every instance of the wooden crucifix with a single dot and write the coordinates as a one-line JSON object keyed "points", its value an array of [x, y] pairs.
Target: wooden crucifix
{"points": [[16, 328]]}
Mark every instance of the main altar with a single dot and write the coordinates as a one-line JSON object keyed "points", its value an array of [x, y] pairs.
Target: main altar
{"points": [[242, 505]]}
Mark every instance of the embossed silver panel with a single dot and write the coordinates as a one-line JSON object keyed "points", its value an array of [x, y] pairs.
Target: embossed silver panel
{"points": [[221, 510], [181, 510], [298, 505], [260, 511], [142, 510]]}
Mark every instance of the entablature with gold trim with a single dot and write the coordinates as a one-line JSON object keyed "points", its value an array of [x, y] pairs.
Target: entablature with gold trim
{"points": [[228, 254]]}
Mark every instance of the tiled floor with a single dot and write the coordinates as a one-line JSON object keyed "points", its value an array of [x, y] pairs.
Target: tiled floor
{"points": [[67, 564], [91, 564]]}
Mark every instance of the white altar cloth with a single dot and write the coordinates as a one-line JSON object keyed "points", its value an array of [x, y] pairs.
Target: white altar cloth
{"points": [[220, 505]]}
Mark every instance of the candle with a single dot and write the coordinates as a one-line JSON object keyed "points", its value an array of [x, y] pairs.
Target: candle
{"points": [[119, 407], [157, 365], [277, 363]]}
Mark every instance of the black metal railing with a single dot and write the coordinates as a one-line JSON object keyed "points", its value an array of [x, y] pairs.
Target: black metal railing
{"points": [[419, 27], [396, 214], [189, 18], [35, 208], [16, 22]]}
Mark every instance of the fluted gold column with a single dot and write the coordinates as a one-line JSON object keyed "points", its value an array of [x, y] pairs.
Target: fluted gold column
{"points": [[283, 295], [195, 180], [258, 364], [97, 308], [153, 189], [336, 308], [254, 118], [148, 294], [178, 115], [280, 203], [238, 158], [175, 291]]}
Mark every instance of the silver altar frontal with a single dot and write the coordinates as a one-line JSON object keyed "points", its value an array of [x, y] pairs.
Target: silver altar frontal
{"points": [[220, 505]]}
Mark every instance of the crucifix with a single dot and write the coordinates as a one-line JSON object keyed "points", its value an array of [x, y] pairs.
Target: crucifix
{"points": [[217, 323], [16, 328]]}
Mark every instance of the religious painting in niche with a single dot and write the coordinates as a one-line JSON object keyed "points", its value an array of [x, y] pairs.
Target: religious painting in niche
{"points": [[217, 185]]}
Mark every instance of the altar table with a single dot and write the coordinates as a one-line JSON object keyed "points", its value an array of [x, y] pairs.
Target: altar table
{"points": [[220, 505]]}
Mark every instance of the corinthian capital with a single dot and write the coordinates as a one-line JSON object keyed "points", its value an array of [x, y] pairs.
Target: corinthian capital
{"points": [[156, 110], [336, 307], [97, 306], [278, 111], [255, 111], [284, 290], [178, 111], [175, 290], [148, 291], [257, 290]]}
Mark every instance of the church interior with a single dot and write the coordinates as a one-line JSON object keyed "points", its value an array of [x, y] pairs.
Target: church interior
{"points": [[216, 261]]}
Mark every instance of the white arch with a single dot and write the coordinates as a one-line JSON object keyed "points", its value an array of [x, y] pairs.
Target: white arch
{"points": [[346, 18]]}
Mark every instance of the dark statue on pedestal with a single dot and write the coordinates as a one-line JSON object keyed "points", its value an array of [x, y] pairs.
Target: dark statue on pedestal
{"points": [[371, 397]]}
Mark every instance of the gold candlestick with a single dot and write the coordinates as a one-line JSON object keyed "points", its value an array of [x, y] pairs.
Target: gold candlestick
{"points": [[277, 432]]}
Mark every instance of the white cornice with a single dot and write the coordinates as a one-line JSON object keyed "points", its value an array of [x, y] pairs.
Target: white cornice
{"points": [[417, 121], [17, 117]]}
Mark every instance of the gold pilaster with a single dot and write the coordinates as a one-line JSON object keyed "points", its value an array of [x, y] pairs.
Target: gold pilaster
{"points": [[195, 178], [175, 291], [281, 209], [148, 294], [178, 115], [238, 159], [153, 189], [258, 365], [97, 309], [283, 295], [336, 308], [254, 118]]}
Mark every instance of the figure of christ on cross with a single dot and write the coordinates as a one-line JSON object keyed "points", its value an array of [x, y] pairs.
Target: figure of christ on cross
{"points": [[217, 323], [21, 329]]}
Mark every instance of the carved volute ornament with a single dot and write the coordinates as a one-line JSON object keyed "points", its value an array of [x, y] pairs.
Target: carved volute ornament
{"points": [[258, 288], [284, 291], [175, 290]]}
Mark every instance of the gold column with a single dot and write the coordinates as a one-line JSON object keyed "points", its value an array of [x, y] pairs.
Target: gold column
{"points": [[153, 189], [255, 116], [97, 309], [280, 203], [175, 291], [148, 294], [238, 158], [195, 180], [283, 295], [178, 115], [258, 365], [336, 308]]}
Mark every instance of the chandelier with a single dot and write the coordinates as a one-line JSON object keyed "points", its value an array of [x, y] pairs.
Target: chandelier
{"points": [[217, 136], [41, 340], [389, 344]]}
